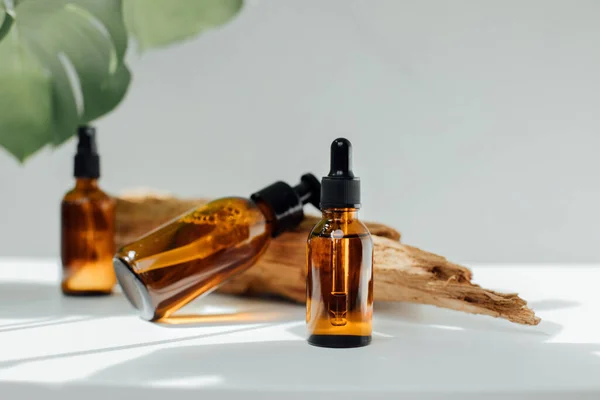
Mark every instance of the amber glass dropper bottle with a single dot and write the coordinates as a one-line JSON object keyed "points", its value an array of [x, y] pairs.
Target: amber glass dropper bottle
{"points": [[339, 305], [198, 251], [87, 226]]}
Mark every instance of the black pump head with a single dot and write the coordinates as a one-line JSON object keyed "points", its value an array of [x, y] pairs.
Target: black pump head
{"points": [[287, 202], [87, 139], [87, 161], [340, 189], [309, 190]]}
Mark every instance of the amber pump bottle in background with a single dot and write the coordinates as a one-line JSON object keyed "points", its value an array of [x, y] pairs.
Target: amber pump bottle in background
{"points": [[339, 287], [198, 251], [87, 226]]}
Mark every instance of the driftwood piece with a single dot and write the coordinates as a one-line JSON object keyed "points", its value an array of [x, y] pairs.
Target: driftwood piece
{"points": [[402, 272]]}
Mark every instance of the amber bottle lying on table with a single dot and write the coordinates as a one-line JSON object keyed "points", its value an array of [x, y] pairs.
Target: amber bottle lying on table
{"points": [[198, 251]]}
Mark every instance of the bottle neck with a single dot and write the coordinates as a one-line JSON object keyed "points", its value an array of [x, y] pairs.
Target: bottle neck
{"points": [[86, 183], [280, 203], [340, 213]]}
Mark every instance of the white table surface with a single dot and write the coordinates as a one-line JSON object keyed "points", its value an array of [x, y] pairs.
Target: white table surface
{"points": [[97, 348]]}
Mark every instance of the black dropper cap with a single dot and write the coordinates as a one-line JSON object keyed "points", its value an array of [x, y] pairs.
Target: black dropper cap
{"points": [[87, 160], [287, 202], [340, 189]]}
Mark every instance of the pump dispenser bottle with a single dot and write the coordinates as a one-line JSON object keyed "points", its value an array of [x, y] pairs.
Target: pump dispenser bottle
{"points": [[339, 304], [198, 251], [87, 226]]}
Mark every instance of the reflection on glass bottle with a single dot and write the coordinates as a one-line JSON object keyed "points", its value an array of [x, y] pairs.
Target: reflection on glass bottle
{"points": [[339, 285], [87, 226], [198, 251]]}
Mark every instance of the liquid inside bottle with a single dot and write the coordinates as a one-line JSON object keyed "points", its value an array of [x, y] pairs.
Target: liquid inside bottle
{"points": [[193, 255], [87, 240], [340, 281]]}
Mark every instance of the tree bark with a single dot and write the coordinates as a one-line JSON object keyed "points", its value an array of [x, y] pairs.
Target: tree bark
{"points": [[401, 272]]}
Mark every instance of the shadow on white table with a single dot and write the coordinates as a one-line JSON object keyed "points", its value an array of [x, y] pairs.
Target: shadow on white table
{"points": [[98, 348]]}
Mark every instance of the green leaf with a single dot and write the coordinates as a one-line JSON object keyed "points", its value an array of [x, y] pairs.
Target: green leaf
{"points": [[6, 18], [5, 22], [25, 100], [158, 23], [61, 66]]}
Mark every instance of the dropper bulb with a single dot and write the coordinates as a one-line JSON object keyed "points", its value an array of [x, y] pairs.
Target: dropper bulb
{"points": [[341, 158], [340, 189]]}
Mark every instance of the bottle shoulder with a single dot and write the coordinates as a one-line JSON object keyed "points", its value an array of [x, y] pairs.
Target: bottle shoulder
{"points": [[331, 228], [95, 195], [225, 211], [234, 201], [231, 204]]}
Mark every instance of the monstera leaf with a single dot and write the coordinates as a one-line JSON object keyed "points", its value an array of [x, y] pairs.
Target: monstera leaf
{"points": [[62, 61], [158, 23], [61, 65]]}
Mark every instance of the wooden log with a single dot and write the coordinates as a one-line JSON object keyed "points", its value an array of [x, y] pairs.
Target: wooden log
{"points": [[402, 272]]}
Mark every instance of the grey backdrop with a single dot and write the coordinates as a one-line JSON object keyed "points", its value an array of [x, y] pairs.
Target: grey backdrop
{"points": [[475, 124]]}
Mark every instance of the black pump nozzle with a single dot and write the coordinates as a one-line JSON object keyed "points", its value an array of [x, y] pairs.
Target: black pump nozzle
{"points": [[87, 160], [287, 202], [340, 189], [87, 140], [309, 190]]}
